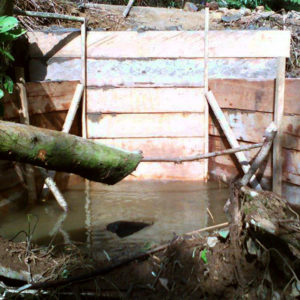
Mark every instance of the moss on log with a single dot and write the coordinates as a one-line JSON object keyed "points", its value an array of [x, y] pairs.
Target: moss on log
{"points": [[59, 151]]}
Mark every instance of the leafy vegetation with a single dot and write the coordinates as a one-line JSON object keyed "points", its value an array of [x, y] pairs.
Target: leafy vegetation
{"points": [[9, 31], [271, 4]]}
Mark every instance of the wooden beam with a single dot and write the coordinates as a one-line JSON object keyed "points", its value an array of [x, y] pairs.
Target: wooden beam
{"points": [[145, 100], [150, 72], [165, 44], [230, 137], [145, 125], [278, 115]]}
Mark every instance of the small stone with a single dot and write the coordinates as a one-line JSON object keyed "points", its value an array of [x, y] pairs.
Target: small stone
{"points": [[189, 6], [231, 18], [266, 14], [213, 5], [212, 241], [223, 10], [260, 8], [245, 11]]}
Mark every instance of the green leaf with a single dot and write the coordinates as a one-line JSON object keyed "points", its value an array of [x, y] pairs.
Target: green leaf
{"points": [[12, 34], [8, 84], [1, 93], [7, 54], [7, 23], [203, 255]]}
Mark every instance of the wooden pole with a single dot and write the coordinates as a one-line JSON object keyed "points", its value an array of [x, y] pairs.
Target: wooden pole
{"points": [[36, 14], [29, 170], [202, 156], [83, 78], [278, 115], [230, 137], [73, 108], [128, 7], [206, 108], [262, 155]]}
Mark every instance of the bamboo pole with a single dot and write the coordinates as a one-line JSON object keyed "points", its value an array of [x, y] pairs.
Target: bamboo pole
{"points": [[230, 137], [278, 115], [36, 14], [206, 109], [202, 156]]}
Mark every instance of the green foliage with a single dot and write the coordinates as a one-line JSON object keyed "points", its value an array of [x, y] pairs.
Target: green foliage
{"points": [[272, 4], [9, 31], [203, 255]]}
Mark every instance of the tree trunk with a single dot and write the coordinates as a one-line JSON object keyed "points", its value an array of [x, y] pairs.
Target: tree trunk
{"points": [[67, 153], [6, 7]]}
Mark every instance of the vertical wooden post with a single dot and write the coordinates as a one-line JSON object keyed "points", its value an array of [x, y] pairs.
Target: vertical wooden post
{"points": [[278, 115], [206, 108], [83, 77], [29, 170]]}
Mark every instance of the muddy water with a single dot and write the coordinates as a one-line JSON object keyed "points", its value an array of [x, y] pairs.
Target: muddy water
{"points": [[171, 207]]}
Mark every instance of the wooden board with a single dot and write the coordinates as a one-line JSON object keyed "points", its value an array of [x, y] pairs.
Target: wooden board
{"points": [[162, 44], [141, 100], [55, 121], [255, 95], [250, 127], [169, 171], [164, 147], [43, 97], [149, 72], [145, 125]]}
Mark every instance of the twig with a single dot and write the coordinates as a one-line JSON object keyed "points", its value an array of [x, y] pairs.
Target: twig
{"points": [[179, 160], [114, 265]]}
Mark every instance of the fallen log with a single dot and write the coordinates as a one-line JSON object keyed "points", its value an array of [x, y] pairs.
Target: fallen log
{"points": [[59, 151]]}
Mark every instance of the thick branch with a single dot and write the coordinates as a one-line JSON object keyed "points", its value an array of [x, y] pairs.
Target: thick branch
{"points": [[59, 151]]}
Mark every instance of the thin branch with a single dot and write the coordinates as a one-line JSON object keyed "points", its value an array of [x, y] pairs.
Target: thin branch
{"points": [[179, 160]]}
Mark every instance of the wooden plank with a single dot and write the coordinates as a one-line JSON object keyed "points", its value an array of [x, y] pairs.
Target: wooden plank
{"points": [[162, 44], [255, 95], [231, 138], [148, 72], [43, 97], [168, 147], [145, 125], [250, 127], [168, 171], [278, 116], [150, 100]]}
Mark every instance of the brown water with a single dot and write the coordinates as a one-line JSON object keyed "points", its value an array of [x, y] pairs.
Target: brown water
{"points": [[172, 207]]}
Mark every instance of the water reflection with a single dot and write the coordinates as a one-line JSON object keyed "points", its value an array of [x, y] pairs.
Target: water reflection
{"points": [[172, 207]]}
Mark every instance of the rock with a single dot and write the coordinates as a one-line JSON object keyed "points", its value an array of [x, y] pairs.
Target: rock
{"points": [[212, 241], [223, 10], [245, 11], [266, 14], [231, 18], [213, 5], [260, 8], [189, 6]]}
